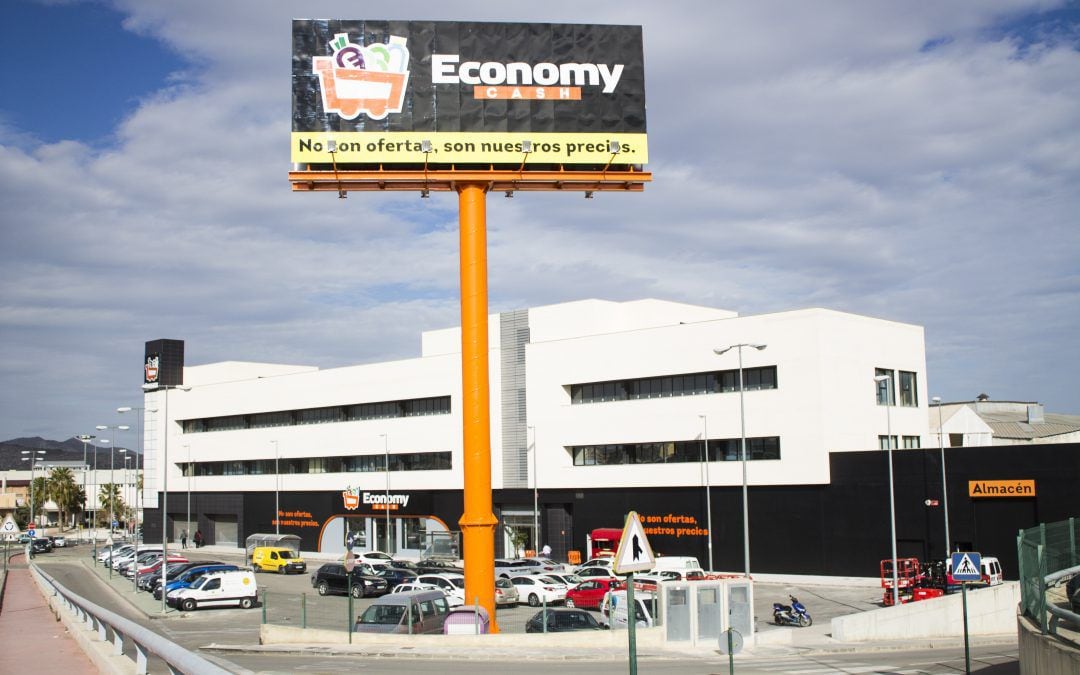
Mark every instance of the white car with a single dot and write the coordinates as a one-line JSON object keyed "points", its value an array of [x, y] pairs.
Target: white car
{"points": [[105, 555], [409, 587], [606, 563], [451, 584], [568, 579], [535, 590], [373, 557], [586, 573]]}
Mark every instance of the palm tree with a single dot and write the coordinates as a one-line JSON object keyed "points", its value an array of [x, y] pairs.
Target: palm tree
{"points": [[61, 488], [38, 495], [111, 500]]}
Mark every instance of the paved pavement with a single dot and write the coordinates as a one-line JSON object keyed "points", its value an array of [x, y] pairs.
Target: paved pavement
{"points": [[31, 637]]}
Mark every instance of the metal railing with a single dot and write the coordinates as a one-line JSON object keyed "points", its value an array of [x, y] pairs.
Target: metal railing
{"points": [[1048, 555], [113, 628]]}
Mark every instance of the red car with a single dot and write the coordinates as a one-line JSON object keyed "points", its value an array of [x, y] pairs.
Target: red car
{"points": [[589, 594]]}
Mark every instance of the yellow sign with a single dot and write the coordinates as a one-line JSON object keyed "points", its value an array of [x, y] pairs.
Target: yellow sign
{"points": [[315, 147], [1001, 488]]}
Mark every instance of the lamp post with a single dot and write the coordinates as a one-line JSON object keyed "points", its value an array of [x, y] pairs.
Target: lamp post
{"points": [[944, 485], [536, 493], [33, 459], [742, 453], [108, 442], [149, 387], [386, 452], [708, 492], [277, 489], [142, 448], [892, 497], [187, 472], [84, 438], [112, 481]]}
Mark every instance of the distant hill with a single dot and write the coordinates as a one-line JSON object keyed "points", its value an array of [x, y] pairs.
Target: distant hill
{"points": [[70, 450]]}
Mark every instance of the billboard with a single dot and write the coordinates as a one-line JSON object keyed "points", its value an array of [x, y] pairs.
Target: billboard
{"points": [[436, 92]]}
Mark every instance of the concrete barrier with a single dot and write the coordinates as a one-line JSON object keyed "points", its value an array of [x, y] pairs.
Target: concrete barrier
{"points": [[991, 611], [1042, 654]]}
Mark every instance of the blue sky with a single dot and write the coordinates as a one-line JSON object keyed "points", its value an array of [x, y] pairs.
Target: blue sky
{"points": [[910, 161]]}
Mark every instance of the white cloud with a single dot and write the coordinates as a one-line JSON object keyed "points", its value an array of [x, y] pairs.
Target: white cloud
{"points": [[804, 154]]}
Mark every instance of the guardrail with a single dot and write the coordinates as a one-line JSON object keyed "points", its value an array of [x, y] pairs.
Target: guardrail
{"points": [[113, 628]]}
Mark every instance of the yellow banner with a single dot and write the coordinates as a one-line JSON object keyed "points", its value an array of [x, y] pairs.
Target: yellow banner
{"points": [[1001, 488], [407, 147]]}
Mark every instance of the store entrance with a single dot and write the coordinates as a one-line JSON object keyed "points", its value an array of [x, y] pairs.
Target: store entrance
{"points": [[518, 534]]}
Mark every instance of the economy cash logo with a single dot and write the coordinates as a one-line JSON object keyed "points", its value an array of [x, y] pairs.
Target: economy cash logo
{"points": [[363, 79]]}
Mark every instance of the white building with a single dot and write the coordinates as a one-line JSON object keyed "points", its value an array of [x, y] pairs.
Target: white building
{"points": [[608, 394]]}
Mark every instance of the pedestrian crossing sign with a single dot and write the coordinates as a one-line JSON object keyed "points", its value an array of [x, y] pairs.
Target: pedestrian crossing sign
{"points": [[634, 554], [967, 566]]}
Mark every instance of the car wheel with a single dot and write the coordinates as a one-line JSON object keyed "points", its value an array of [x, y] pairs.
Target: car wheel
{"points": [[281, 570], [570, 603], [246, 603], [188, 605], [323, 588], [357, 591], [534, 601]]}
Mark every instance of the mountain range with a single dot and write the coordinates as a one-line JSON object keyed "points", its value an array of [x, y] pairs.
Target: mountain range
{"points": [[70, 450]]}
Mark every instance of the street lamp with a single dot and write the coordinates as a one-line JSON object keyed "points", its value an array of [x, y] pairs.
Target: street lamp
{"points": [[892, 498], [386, 452], [33, 459], [153, 387], [112, 481], [944, 485], [187, 472], [536, 493], [742, 435], [106, 441], [708, 492], [84, 438], [138, 498], [277, 489]]}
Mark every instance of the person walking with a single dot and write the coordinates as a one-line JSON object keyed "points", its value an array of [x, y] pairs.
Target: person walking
{"points": [[198, 539], [183, 538]]}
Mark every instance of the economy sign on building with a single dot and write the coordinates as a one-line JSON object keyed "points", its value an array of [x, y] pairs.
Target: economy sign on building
{"points": [[416, 92]]}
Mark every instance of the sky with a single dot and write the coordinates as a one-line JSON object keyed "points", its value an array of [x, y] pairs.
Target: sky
{"points": [[914, 161]]}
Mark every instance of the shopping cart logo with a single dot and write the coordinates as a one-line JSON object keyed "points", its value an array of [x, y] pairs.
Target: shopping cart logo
{"points": [[351, 497], [363, 79]]}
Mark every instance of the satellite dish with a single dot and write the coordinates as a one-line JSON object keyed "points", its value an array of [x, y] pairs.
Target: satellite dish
{"points": [[736, 641]]}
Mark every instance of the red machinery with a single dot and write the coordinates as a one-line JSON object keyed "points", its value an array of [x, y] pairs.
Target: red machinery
{"points": [[912, 582]]}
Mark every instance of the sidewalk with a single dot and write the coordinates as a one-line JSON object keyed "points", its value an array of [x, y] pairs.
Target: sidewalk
{"points": [[31, 637]]}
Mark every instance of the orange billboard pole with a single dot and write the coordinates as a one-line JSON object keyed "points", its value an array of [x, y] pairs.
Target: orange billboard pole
{"points": [[477, 521]]}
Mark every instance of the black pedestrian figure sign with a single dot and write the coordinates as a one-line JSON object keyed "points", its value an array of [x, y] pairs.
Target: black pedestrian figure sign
{"points": [[634, 553]]}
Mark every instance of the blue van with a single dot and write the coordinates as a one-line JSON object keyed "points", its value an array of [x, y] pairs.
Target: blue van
{"points": [[189, 577]]}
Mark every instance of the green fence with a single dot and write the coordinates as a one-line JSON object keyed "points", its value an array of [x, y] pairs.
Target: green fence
{"points": [[308, 611], [1042, 551]]}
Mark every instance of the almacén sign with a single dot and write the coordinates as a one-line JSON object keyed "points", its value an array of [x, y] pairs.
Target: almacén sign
{"points": [[410, 92], [1001, 488]]}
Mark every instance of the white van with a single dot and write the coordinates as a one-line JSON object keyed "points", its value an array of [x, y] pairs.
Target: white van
{"points": [[687, 566], [613, 609], [990, 568], [220, 589]]}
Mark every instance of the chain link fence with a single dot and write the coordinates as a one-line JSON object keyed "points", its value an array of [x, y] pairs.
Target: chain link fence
{"points": [[309, 610], [1042, 552]]}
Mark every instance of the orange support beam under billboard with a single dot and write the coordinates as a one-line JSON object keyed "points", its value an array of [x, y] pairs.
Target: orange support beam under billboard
{"points": [[477, 521]]}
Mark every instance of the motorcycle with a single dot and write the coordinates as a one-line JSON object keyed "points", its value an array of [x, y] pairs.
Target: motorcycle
{"points": [[794, 614]]}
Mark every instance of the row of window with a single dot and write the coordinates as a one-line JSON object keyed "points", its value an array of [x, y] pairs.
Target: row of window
{"points": [[910, 442], [687, 384], [409, 461], [417, 407], [669, 452], [908, 385]]}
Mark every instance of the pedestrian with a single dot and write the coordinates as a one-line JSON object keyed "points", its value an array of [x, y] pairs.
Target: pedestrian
{"points": [[546, 551], [183, 538], [198, 539]]}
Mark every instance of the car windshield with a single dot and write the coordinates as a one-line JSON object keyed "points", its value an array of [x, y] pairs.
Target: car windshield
{"points": [[382, 614], [174, 568], [199, 582], [459, 583]]}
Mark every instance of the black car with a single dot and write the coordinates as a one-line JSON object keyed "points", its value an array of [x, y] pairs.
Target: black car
{"points": [[394, 575], [433, 566], [41, 545], [563, 620], [332, 578]]}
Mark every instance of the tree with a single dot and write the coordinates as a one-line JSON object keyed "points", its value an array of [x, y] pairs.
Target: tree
{"points": [[61, 488], [111, 501], [37, 496]]}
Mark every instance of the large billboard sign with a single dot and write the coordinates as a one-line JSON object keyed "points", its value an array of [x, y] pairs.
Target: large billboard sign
{"points": [[431, 92]]}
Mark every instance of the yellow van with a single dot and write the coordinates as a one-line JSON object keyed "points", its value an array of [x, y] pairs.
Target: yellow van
{"points": [[277, 559]]}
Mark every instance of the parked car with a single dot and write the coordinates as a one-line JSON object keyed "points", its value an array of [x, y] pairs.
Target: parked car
{"points": [[373, 557], [332, 578], [595, 573], [153, 566], [220, 589], [277, 559], [544, 565], [451, 584], [415, 612], [409, 587], [606, 563], [394, 575], [173, 571], [613, 610], [40, 545], [433, 566], [567, 578], [535, 589], [188, 579], [506, 593], [24, 538], [589, 594], [562, 620], [508, 568], [106, 553]]}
